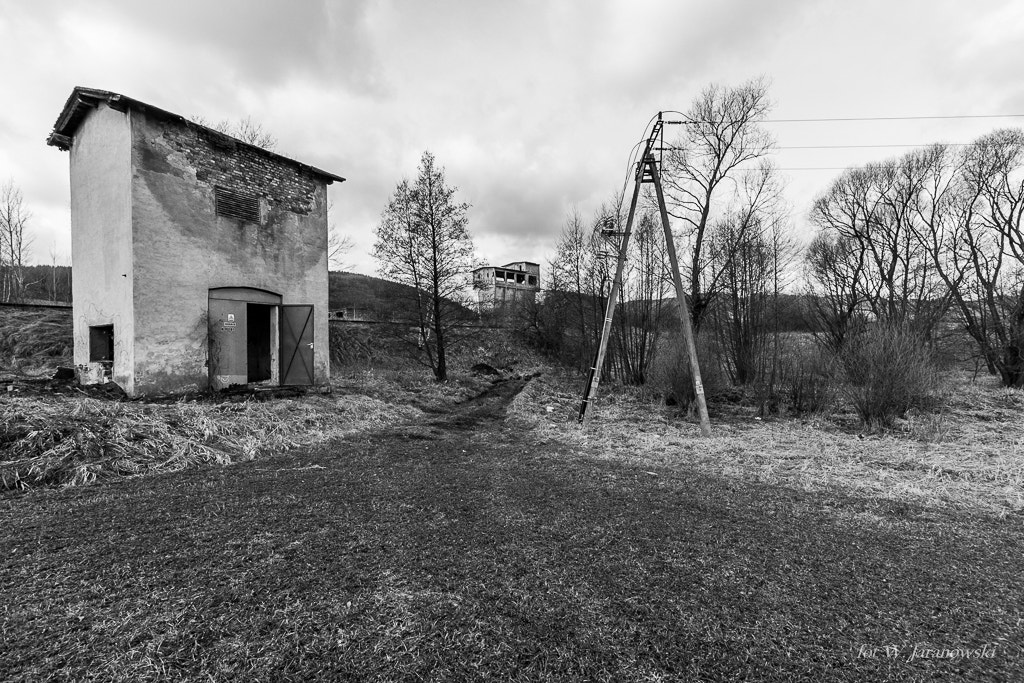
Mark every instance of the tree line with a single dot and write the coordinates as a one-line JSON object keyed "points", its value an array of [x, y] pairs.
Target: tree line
{"points": [[917, 246], [937, 231], [18, 280]]}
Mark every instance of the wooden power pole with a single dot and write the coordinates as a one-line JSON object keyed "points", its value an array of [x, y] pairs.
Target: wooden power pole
{"points": [[647, 172]]}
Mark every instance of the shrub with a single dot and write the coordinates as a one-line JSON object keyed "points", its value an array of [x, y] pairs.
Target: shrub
{"points": [[670, 375], [806, 381], [887, 370]]}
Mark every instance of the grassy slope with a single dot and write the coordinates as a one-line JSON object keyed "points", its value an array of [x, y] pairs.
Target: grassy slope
{"points": [[35, 339], [507, 551]]}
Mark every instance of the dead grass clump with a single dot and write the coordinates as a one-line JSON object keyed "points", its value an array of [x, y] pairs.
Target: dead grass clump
{"points": [[35, 339], [67, 441]]}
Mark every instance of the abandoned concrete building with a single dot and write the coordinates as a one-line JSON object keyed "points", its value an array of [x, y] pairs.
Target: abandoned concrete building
{"points": [[502, 286], [200, 261]]}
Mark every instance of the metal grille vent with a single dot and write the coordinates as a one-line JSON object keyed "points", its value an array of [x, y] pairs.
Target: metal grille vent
{"points": [[234, 204]]}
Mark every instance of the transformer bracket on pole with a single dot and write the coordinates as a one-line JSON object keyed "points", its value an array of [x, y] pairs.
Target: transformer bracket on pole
{"points": [[647, 171]]}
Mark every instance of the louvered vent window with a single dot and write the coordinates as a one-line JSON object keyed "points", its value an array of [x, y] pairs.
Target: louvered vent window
{"points": [[235, 204]]}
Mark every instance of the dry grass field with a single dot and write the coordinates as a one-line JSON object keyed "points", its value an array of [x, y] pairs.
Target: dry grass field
{"points": [[398, 529], [966, 454]]}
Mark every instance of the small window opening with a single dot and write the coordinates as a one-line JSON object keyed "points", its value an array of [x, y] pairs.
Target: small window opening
{"points": [[235, 204], [533, 280], [101, 344], [520, 278]]}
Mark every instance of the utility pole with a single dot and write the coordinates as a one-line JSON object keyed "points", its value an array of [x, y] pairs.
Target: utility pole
{"points": [[609, 310], [647, 172]]}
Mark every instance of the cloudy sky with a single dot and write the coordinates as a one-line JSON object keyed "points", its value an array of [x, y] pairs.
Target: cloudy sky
{"points": [[532, 106]]}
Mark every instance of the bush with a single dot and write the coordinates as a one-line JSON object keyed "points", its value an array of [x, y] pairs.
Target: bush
{"points": [[887, 371], [806, 381], [670, 376]]}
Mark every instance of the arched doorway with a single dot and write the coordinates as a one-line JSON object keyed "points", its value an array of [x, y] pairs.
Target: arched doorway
{"points": [[244, 340]]}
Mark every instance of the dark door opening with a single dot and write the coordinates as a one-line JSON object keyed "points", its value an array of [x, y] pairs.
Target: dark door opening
{"points": [[258, 333]]}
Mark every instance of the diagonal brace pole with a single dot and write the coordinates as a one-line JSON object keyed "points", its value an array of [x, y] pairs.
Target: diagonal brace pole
{"points": [[685, 314]]}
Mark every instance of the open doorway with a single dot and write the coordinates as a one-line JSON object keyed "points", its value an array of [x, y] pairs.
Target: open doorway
{"points": [[258, 342], [243, 337]]}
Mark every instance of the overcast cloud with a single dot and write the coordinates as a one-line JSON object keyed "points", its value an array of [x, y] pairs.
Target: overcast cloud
{"points": [[532, 107]]}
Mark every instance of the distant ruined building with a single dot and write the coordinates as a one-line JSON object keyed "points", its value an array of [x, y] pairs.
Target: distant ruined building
{"points": [[503, 286]]}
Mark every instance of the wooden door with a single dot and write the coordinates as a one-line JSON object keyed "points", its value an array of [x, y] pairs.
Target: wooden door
{"points": [[227, 349], [297, 344]]}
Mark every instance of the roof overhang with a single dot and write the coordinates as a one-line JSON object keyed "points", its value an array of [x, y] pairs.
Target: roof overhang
{"points": [[84, 100]]}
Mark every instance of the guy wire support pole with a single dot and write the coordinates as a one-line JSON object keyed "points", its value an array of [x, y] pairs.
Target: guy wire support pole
{"points": [[685, 313]]}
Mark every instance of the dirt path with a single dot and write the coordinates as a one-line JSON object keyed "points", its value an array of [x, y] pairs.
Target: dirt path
{"points": [[485, 409], [484, 412]]}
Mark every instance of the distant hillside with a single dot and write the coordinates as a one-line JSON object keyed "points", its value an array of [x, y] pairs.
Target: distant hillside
{"points": [[794, 312], [794, 309], [381, 299]]}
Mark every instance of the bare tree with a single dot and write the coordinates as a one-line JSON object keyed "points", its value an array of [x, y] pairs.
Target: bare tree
{"points": [[834, 264], [839, 255], [908, 291], [58, 278], [338, 248], [646, 282], [571, 304], [702, 170], [423, 242], [15, 242], [868, 257], [906, 239], [247, 130], [988, 251], [754, 261], [579, 277]]}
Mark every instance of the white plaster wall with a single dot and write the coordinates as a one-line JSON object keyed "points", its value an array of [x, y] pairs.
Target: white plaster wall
{"points": [[101, 251], [182, 250]]}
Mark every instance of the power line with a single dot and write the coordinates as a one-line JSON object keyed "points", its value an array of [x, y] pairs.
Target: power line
{"points": [[879, 146], [895, 118], [819, 168], [920, 144], [846, 119]]}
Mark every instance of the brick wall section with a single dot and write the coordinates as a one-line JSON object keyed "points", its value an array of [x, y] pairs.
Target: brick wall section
{"points": [[220, 160]]}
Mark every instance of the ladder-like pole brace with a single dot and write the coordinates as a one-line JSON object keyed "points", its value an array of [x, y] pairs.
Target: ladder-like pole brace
{"points": [[609, 311]]}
